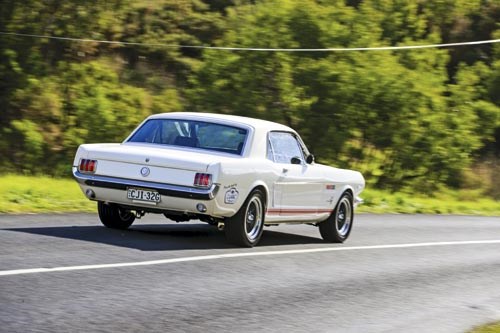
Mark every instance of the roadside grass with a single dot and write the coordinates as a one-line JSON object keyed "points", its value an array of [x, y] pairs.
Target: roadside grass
{"points": [[42, 194], [489, 328], [461, 202]]}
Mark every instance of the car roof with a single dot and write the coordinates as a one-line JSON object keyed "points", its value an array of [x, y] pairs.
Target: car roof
{"points": [[253, 122]]}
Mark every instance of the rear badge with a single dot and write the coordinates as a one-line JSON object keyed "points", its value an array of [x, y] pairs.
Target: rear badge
{"points": [[145, 171], [231, 196]]}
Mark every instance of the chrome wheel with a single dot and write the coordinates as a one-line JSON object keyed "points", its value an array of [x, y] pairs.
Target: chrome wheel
{"points": [[337, 227], [245, 228], [343, 217], [253, 218]]}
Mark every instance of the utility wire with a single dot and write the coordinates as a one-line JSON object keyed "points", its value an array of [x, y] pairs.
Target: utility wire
{"points": [[223, 48]]}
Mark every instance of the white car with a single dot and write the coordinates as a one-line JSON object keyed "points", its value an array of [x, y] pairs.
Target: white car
{"points": [[238, 173]]}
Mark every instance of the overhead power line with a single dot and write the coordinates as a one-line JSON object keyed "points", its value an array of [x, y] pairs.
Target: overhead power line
{"points": [[224, 48]]}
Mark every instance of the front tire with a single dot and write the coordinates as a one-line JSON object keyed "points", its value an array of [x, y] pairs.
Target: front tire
{"points": [[338, 226], [245, 228], [114, 217]]}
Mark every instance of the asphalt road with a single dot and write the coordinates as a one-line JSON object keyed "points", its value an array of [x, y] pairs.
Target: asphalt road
{"points": [[441, 275]]}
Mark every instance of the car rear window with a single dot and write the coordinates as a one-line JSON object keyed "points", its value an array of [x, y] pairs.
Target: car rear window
{"points": [[190, 133]]}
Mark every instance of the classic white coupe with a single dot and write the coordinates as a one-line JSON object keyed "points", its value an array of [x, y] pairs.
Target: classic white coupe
{"points": [[238, 173]]}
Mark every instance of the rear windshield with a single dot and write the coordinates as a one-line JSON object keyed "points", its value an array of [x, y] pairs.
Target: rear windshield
{"points": [[190, 133]]}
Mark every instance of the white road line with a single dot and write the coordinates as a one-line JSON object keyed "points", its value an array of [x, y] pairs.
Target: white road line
{"points": [[239, 255]]}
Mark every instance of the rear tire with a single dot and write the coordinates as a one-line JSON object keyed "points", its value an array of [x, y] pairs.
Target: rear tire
{"points": [[245, 228], [114, 217], [338, 226]]}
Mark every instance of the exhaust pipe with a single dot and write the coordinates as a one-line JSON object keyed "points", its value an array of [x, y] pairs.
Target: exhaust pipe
{"points": [[90, 194]]}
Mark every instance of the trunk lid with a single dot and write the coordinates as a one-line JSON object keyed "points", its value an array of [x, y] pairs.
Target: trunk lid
{"points": [[165, 164]]}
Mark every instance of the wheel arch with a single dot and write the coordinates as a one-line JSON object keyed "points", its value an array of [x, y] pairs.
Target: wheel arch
{"points": [[345, 189], [263, 188], [247, 191], [348, 190]]}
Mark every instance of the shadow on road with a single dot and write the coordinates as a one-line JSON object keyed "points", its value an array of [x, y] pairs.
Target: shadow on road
{"points": [[156, 237]]}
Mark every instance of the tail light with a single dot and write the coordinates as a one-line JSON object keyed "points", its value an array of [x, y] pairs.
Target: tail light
{"points": [[203, 179], [87, 166]]}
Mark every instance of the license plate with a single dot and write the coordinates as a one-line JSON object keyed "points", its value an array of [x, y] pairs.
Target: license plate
{"points": [[143, 195]]}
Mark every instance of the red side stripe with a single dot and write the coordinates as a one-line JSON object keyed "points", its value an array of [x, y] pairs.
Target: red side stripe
{"points": [[297, 211]]}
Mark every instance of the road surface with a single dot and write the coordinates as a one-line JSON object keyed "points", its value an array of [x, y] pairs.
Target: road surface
{"points": [[396, 273]]}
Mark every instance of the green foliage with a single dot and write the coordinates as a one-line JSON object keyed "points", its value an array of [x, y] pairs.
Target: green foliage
{"points": [[86, 103], [471, 98], [29, 144], [415, 119], [350, 107]]}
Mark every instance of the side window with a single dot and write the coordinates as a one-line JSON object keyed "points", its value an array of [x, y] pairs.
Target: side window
{"points": [[283, 147], [222, 138]]}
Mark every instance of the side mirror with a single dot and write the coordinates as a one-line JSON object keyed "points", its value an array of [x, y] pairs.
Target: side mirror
{"points": [[310, 159], [296, 160]]}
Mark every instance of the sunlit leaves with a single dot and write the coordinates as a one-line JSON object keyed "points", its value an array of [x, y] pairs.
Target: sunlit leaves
{"points": [[412, 118]]}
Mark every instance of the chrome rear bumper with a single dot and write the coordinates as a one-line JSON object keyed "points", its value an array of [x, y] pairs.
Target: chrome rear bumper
{"points": [[164, 189]]}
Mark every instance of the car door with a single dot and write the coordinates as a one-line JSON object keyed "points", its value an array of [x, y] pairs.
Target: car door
{"points": [[299, 187]]}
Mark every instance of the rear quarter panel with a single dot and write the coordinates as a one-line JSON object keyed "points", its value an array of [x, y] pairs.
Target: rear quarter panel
{"points": [[237, 179]]}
